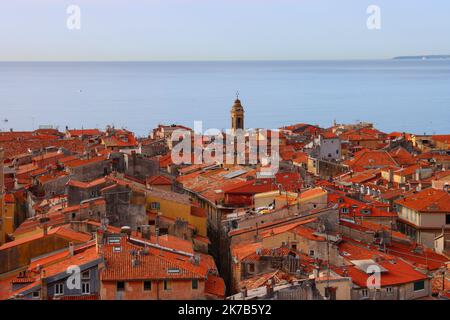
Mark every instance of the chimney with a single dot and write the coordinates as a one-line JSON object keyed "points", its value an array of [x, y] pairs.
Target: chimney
{"points": [[134, 258], [126, 230], [71, 249], [391, 176], [43, 286], [99, 238], [196, 260], [244, 293], [145, 231], [316, 273], [269, 288]]}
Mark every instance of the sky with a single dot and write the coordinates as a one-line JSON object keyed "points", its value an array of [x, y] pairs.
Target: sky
{"points": [[149, 30]]}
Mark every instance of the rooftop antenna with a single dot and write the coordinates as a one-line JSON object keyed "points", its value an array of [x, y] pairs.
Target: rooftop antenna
{"points": [[237, 94]]}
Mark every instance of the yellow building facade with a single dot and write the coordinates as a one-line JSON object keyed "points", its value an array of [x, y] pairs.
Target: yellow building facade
{"points": [[173, 206]]}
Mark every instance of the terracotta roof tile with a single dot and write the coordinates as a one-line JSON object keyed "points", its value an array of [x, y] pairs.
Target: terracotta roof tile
{"points": [[428, 200]]}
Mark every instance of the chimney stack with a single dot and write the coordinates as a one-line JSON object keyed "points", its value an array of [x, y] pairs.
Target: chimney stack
{"points": [[71, 249], [145, 230], [126, 230], [99, 238], [134, 258], [269, 287], [43, 286], [244, 292]]}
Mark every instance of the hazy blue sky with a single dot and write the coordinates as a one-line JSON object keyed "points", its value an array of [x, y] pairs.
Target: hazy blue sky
{"points": [[222, 29]]}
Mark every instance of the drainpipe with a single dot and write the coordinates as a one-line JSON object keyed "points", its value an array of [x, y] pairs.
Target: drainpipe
{"points": [[157, 290]]}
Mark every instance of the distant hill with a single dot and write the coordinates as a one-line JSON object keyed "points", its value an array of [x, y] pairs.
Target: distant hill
{"points": [[440, 57]]}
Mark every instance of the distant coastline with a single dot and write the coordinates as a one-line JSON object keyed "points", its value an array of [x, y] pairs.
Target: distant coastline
{"points": [[426, 57]]}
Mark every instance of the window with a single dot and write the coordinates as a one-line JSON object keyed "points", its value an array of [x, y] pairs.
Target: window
{"points": [[447, 219], [364, 293], [344, 210], [86, 275], [195, 284], [120, 286], [59, 289], [419, 285], [85, 288], [389, 290], [167, 285], [74, 215], [36, 294], [173, 270], [251, 267], [113, 240], [154, 206], [147, 285], [294, 246], [311, 253]]}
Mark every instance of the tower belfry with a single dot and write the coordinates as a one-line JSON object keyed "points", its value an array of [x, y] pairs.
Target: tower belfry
{"points": [[237, 114]]}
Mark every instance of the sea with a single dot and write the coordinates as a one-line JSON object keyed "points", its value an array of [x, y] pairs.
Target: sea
{"points": [[395, 95]]}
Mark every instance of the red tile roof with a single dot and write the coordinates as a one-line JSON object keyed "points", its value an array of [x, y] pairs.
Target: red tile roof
{"points": [[55, 218], [87, 185], [329, 135], [154, 265], [242, 250], [356, 206], [403, 157], [84, 162], [52, 176], [428, 200], [84, 132], [397, 271], [62, 231], [370, 159], [215, 286], [47, 156], [284, 228], [20, 147], [444, 138], [159, 180], [424, 258]]}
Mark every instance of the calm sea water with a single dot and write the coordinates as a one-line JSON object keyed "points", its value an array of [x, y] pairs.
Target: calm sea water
{"points": [[411, 96]]}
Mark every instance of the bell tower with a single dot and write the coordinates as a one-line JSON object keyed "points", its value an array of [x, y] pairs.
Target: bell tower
{"points": [[237, 115]]}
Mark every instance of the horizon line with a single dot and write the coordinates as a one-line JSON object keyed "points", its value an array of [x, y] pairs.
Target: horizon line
{"points": [[213, 60], [411, 57]]}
